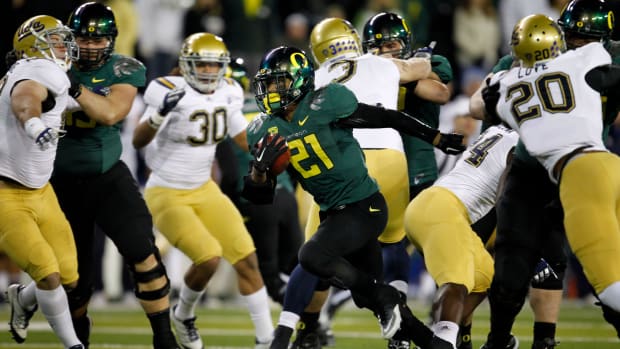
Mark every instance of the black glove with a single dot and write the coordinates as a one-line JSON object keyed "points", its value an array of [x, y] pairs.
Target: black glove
{"points": [[75, 90], [171, 100], [10, 58], [451, 143], [269, 148], [490, 96]]}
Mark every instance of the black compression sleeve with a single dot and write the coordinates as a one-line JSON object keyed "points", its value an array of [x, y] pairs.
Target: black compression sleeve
{"points": [[368, 116], [605, 79]]}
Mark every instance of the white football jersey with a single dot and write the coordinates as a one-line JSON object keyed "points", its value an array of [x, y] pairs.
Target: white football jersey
{"points": [[182, 152], [552, 107], [374, 80], [475, 177], [21, 159]]}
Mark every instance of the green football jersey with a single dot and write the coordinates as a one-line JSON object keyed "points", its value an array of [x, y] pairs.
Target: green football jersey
{"points": [[90, 148], [611, 108], [421, 161], [325, 159]]}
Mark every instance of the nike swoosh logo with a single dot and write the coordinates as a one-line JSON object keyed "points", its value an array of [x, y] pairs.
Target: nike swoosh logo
{"points": [[302, 122], [260, 156], [95, 80], [372, 209]]}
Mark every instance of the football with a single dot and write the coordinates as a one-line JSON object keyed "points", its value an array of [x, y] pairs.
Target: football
{"points": [[282, 161]]}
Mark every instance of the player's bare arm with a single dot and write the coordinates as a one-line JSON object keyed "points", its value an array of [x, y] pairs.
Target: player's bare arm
{"points": [[110, 109], [476, 103], [433, 91], [26, 99], [412, 69]]}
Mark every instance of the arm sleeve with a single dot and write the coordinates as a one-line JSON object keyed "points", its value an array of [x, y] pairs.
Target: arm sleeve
{"points": [[368, 116], [605, 79]]}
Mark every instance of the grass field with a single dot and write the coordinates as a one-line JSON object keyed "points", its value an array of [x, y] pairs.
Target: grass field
{"points": [[580, 326]]}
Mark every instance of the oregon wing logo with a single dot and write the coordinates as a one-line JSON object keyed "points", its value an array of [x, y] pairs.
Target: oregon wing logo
{"points": [[126, 66]]}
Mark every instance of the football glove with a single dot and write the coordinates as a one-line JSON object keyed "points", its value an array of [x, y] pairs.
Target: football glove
{"points": [[43, 135], [425, 52], [75, 90], [269, 148], [451, 143], [542, 272], [170, 101], [490, 96]]}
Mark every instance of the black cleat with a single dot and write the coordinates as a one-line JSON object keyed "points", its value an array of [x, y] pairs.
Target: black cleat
{"points": [[307, 339], [513, 343], [546, 343], [388, 310]]}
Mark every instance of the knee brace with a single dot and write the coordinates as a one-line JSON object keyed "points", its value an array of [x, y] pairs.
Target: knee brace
{"points": [[79, 296], [147, 276]]}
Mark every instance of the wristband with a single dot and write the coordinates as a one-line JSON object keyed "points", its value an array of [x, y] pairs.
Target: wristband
{"points": [[155, 120], [34, 126]]}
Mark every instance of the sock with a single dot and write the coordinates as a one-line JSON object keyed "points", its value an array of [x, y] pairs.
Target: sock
{"points": [[27, 296], [310, 321], [160, 325], [258, 305], [446, 330], [465, 333], [288, 320], [299, 290], [544, 330], [55, 308], [188, 299]]}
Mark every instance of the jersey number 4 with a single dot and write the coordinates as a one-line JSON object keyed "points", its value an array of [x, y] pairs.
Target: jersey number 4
{"points": [[522, 92]]}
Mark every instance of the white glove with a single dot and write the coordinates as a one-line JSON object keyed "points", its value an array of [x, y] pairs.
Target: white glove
{"points": [[43, 135]]}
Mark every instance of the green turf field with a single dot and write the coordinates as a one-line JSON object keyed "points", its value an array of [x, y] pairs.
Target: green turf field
{"points": [[581, 326]]}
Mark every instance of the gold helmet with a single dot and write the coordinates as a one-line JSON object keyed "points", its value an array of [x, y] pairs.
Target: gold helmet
{"points": [[45, 37], [334, 38], [536, 39], [197, 51]]}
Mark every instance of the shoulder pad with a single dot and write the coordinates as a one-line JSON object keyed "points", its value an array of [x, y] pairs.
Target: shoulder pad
{"points": [[125, 65]]}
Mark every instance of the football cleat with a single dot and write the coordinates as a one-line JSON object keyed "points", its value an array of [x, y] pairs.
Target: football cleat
{"points": [[186, 331], [513, 343], [20, 316], [545, 343], [261, 345], [307, 339], [388, 311]]}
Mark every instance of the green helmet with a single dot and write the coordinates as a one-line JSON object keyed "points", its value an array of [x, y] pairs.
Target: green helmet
{"points": [[385, 27], [93, 20], [588, 18], [239, 72], [290, 70]]}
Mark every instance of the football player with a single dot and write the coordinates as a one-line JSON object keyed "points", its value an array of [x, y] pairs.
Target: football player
{"points": [[383, 150], [274, 228], [93, 185], [529, 212], [328, 163], [33, 230], [186, 117], [525, 102], [440, 218]]}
